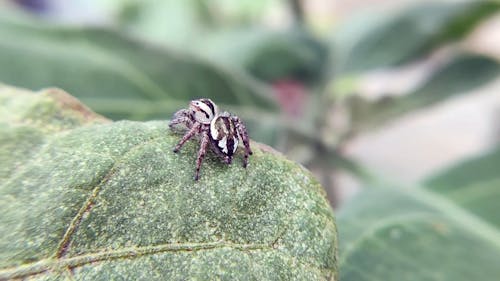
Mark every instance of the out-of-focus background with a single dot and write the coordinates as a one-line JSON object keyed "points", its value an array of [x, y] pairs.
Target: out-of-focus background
{"points": [[363, 93], [400, 88]]}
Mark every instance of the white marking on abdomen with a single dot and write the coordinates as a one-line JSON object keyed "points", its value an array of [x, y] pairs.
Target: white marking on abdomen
{"points": [[223, 144], [235, 146]]}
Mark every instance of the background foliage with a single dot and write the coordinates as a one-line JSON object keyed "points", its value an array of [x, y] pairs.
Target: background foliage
{"points": [[292, 83]]}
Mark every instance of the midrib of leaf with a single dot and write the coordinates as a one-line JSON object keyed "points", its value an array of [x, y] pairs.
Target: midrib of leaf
{"points": [[464, 218], [130, 252], [58, 262], [85, 51], [475, 190], [370, 232], [87, 205], [447, 208], [419, 271], [391, 250], [41, 266]]}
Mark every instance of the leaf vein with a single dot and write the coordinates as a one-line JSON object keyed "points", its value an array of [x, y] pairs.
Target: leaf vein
{"points": [[75, 222], [108, 255]]}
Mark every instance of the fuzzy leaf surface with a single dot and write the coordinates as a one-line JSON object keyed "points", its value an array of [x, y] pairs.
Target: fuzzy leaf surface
{"points": [[86, 198]]}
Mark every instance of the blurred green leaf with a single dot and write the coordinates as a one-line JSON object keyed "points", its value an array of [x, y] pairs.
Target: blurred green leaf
{"points": [[180, 23], [294, 55], [120, 77], [464, 73], [95, 61], [414, 234], [408, 34], [83, 198], [175, 23], [449, 230], [473, 184], [268, 55]]}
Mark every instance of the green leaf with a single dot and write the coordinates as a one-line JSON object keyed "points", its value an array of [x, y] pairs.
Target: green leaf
{"points": [[294, 55], [180, 23], [414, 234], [465, 73], [268, 55], [85, 198], [122, 78], [118, 76], [473, 184], [408, 34]]}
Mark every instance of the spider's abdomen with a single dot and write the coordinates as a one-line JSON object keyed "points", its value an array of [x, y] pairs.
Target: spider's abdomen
{"points": [[223, 134]]}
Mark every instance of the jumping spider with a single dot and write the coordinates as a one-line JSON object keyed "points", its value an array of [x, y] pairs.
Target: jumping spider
{"points": [[221, 130]]}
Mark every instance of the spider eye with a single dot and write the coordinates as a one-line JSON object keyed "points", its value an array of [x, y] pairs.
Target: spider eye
{"points": [[204, 110]]}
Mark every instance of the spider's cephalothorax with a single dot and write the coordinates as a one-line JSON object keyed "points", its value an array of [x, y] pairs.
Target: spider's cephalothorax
{"points": [[219, 130]]}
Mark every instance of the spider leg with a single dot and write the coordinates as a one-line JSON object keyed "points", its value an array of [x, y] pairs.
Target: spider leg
{"points": [[187, 136], [205, 139], [181, 117], [242, 131]]}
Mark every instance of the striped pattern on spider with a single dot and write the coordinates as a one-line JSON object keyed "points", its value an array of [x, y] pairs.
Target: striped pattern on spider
{"points": [[219, 130]]}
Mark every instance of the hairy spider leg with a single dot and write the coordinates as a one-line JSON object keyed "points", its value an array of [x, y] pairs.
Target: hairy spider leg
{"points": [[187, 136], [181, 116], [242, 131], [205, 139]]}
